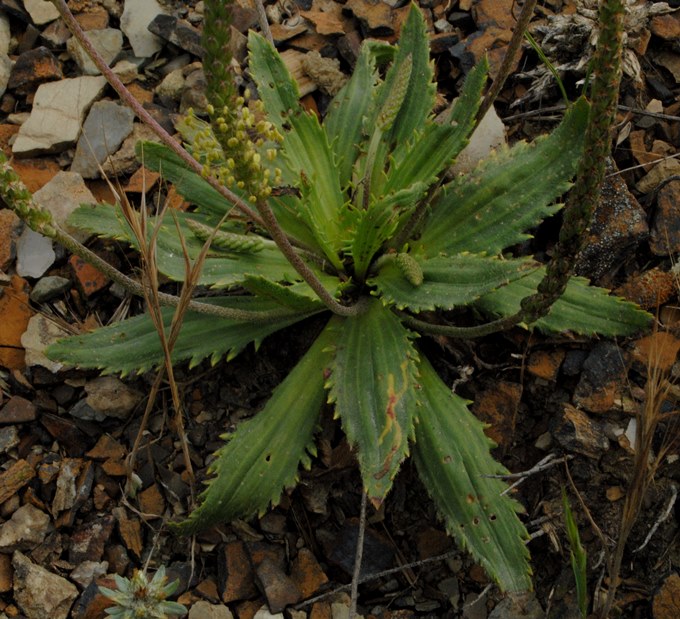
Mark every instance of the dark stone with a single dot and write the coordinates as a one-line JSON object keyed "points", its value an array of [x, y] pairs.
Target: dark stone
{"points": [[619, 224], [32, 68], [177, 32]]}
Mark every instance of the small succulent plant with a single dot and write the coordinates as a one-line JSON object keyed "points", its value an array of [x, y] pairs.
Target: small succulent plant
{"points": [[139, 598]]}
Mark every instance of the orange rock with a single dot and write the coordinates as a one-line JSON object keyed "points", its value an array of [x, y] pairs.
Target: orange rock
{"points": [[307, 573], [106, 447], [6, 132], [35, 173], [141, 181], [497, 406], [659, 350], [152, 504], [93, 18], [6, 573], [9, 232], [545, 363], [237, 579], [16, 313], [321, 610], [666, 26], [667, 600], [91, 280], [494, 13], [140, 93], [650, 290]]}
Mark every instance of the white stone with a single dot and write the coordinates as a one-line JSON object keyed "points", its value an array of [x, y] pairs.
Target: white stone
{"points": [[172, 85], [34, 254], [62, 195], [57, 115], [5, 70], [39, 593], [264, 613], [206, 610], [488, 136], [26, 529], [110, 397], [41, 11], [40, 333], [5, 34], [138, 14], [108, 42]]}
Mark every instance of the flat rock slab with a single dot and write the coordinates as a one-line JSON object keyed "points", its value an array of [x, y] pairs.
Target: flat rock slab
{"points": [[58, 112], [40, 593], [107, 41], [63, 195], [138, 14]]}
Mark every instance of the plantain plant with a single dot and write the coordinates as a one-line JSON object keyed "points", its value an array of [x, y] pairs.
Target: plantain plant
{"points": [[353, 218]]}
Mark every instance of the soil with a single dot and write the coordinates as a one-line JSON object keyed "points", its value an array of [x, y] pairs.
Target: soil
{"points": [[564, 398]]}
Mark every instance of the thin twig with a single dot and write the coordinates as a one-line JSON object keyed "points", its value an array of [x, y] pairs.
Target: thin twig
{"points": [[376, 575], [662, 517], [263, 21], [358, 557], [508, 60]]}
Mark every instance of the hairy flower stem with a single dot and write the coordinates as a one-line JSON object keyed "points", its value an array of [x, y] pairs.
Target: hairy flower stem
{"points": [[270, 223], [143, 115], [585, 194], [17, 197]]}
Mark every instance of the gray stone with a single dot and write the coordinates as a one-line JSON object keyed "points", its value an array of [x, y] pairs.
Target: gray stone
{"points": [[39, 334], [57, 115], [49, 287], [134, 22], [206, 610], [9, 438], [5, 71], [518, 606], [87, 571], [107, 125], [125, 160], [34, 254], [40, 593], [108, 42], [26, 529], [41, 11], [110, 397], [178, 32]]}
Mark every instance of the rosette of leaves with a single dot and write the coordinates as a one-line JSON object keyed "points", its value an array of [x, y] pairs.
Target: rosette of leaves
{"points": [[141, 598], [364, 201]]}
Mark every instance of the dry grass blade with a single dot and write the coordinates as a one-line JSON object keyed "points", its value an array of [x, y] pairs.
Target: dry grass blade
{"points": [[651, 417]]}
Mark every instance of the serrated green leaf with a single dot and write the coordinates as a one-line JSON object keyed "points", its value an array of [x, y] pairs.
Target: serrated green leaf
{"points": [[285, 296], [133, 345], [439, 144], [582, 309], [219, 271], [451, 453], [448, 281], [373, 386], [262, 457], [308, 161], [419, 98], [191, 186], [492, 207], [346, 113], [375, 225]]}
